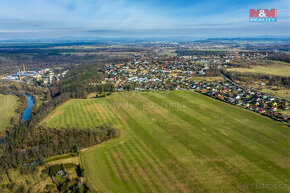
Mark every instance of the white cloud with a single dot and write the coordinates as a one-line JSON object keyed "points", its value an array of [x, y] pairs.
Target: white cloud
{"points": [[81, 15]]}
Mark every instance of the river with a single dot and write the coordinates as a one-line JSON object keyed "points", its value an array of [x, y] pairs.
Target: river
{"points": [[26, 113]]}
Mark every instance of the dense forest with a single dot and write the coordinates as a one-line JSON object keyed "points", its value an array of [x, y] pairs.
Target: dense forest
{"points": [[27, 143], [58, 55], [76, 84], [200, 52], [81, 80], [213, 71], [30, 145], [285, 57], [17, 88]]}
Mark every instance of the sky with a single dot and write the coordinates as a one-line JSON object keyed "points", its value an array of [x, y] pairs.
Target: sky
{"points": [[28, 19]]}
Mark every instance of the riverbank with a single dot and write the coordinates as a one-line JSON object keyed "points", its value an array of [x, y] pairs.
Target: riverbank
{"points": [[26, 113]]}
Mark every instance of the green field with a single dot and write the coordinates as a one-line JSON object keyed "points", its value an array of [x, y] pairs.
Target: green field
{"points": [[179, 141], [8, 104], [284, 93], [277, 68], [167, 52]]}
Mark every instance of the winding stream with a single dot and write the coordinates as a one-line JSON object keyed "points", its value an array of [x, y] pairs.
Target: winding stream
{"points": [[26, 113]]}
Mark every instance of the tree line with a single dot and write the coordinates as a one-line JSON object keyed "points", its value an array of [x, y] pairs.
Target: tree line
{"points": [[27, 145], [78, 82], [187, 52], [285, 57], [18, 89], [252, 77], [27, 142]]}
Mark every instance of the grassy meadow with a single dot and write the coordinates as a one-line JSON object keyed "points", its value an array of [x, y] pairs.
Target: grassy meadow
{"points": [[8, 105], [277, 68], [179, 141], [284, 93]]}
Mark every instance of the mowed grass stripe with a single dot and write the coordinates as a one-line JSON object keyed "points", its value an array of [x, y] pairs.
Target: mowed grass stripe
{"points": [[243, 133], [81, 116], [145, 177], [85, 114], [147, 111], [114, 112], [122, 171], [74, 115], [199, 147], [272, 168], [183, 172], [108, 183], [265, 126], [153, 181], [126, 169], [219, 166], [178, 112], [254, 144], [69, 117], [256, 158], [171, 161], [174, 183], [98, 116], [90, 115], [75, 118], [105, 183], [162, 175], [246, 132], [108, 116], [176, 180], [101, 118]]}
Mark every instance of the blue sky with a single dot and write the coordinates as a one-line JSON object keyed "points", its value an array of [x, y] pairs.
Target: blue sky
{"points": [[125, 18]]}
